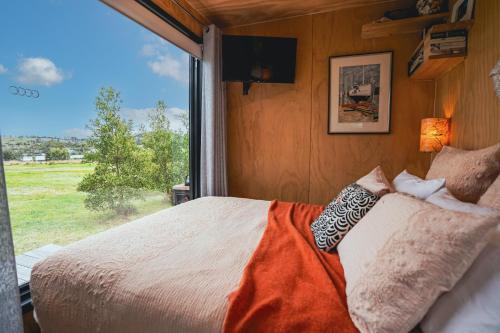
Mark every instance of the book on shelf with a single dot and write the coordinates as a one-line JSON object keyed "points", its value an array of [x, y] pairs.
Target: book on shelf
{"points": [[448, 39], [447, 34], [447, 42], [447, 46], [448, 52], [416, 60]]}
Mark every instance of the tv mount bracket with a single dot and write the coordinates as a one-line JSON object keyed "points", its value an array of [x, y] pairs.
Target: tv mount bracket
{"points": [[246, 87]]}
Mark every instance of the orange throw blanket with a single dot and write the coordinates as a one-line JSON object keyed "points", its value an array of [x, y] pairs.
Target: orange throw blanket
{"points": [[288, 284]]}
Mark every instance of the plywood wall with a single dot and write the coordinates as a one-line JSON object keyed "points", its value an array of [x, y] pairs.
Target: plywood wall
{"points": [[466, 93], [270, 128], [278, 142]]}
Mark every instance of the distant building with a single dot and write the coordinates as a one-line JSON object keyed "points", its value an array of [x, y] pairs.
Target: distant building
{"points": [[76, 157], [27, 158], [40, 158]]}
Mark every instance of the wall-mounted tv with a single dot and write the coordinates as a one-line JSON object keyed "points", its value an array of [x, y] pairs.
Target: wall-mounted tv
{"points": [[258, 59]]}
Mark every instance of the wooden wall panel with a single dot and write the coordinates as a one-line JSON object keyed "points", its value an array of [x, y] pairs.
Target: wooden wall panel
{"points": [[189, 20], [277, 135], [337, 160], [269, 129], [466, 93]]}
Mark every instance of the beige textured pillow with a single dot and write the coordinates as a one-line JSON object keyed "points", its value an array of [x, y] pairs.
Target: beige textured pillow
{"points": [[360, 246], [468, 173], [491, 198], [402, 255], [376, 182]]}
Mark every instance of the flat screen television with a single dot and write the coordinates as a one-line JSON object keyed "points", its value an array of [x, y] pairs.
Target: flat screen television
{"points": [[258, 59]]}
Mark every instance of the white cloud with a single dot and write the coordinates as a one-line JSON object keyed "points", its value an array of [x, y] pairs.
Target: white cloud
{"points": [[39, 71], [80, 133], [163, 63], [168, 66], [149, 50], [3, 69], [140, 117]]}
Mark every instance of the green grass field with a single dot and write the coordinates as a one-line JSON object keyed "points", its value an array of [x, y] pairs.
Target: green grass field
{"points": [[46, 208]]}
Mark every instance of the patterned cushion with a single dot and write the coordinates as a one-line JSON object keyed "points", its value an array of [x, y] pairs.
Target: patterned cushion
{"points": [[352, 203]]}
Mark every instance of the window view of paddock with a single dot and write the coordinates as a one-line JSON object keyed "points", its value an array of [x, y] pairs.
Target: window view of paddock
{"points": [[95, 129]]}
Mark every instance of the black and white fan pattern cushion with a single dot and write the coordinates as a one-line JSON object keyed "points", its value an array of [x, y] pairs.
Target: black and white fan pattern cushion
{"points": [[341, 215]]}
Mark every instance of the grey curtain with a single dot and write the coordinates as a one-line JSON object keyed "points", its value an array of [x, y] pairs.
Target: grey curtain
{"points": [[10, 307], [213, 171]]}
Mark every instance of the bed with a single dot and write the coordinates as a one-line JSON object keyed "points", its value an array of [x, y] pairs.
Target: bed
{"points": [[241, 265], [209, 265], [168, 272]]}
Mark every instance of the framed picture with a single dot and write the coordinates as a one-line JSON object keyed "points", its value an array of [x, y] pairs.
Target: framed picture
{"points": [[360, 93], [462, 10]]}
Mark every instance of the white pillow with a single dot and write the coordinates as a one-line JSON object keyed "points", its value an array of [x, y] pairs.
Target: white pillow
{"points": [[444, 199], [416, 186], [473, 305]]}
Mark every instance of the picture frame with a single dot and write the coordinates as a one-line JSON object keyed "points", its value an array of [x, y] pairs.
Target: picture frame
{"points": [[360, 93], [462, 10]]}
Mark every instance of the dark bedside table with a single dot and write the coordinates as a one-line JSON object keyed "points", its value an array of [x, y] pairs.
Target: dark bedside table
{"points": [[180, 193]]}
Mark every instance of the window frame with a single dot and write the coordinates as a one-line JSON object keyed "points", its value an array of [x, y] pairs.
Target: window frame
{"points": [[195, 79], [195, 102]]}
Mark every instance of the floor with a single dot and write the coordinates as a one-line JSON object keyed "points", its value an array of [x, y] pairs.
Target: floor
{"points": [[26, 261], [24, 264]]}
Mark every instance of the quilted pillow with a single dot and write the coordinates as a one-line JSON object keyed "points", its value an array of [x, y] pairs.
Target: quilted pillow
{"points": [[492, 196], [402, 255], [468, 173], [376, 182], [473, 305], [352, 203]]}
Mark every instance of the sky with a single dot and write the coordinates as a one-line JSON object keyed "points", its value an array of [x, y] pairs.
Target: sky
{"points": [[67, 50]]}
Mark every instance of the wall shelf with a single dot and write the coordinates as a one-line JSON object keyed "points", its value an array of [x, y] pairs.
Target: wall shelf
{"points": [[461, 25], [402, 26], [434, 66]]}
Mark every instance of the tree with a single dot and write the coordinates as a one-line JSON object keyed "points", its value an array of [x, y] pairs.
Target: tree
{"points": [[181, 148], [57, 154], [9, 155], [121, 168], [160, 140]]}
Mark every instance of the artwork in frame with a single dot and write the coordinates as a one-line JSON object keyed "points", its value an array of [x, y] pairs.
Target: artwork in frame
{"points": [[360, 93]]}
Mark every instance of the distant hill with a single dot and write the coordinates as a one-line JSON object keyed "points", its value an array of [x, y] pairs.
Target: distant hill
{"points": [[14, 147]]}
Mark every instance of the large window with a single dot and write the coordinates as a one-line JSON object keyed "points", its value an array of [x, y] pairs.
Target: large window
{"points": [[94, 120]]}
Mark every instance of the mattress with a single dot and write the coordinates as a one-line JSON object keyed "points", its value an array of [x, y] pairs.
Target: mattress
{"points": [[168, 272]]}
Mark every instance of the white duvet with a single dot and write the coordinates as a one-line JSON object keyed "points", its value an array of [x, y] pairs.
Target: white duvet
{"points": [[168, 272]]}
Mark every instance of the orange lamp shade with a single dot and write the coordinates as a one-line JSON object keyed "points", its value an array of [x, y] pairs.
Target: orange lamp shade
{"points": [[434, 134]]}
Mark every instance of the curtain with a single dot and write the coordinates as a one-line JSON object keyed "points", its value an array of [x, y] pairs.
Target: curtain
{"points": [[10, 307], [213, 172]]}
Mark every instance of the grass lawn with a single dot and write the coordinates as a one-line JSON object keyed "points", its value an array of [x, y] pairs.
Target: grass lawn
{"points": [[46, 208]]}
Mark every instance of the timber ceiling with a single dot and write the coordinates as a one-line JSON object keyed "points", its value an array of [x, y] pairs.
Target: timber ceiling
{"points": [[228, 13]]}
